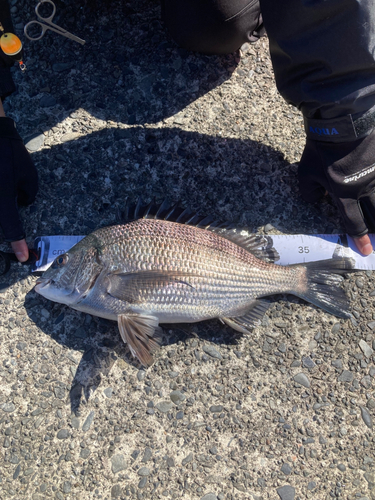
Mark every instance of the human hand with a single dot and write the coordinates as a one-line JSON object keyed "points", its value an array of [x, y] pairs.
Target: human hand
{"points": [[18, 186], [347, 172], [20, 250]]}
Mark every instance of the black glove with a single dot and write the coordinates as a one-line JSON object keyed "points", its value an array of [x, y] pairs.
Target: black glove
{"points": [[18, 180], [347, 171]]}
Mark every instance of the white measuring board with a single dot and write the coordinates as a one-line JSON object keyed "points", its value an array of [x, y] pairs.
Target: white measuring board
{"points": [[300, 248], [51, 247], [292, 248]]}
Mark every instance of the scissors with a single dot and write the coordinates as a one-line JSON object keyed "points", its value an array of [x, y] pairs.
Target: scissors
{"points": [[47, 24]]}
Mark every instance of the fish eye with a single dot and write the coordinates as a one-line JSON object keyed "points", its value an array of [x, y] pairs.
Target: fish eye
{"points": [[60, 261]]}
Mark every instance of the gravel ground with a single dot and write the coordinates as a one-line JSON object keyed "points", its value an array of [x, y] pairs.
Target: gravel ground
{"points": [[285, 413]]}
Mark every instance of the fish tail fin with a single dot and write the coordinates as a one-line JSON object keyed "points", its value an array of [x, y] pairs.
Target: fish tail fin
{"points": [[322, 282]]}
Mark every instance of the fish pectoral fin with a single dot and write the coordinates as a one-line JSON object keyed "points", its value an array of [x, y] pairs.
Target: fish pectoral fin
{"points": [[252, 317], [130, 287], [141, 333]]}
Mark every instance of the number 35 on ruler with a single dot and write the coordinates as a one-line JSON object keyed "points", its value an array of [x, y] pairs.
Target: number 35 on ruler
{"points": [[303, 250]]}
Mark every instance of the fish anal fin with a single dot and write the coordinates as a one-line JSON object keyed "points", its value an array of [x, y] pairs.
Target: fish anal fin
{"points": [[252, 317], [141, 333]]}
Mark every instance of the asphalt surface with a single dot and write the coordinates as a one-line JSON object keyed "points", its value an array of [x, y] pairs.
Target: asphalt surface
{"points": [[285, 413]]}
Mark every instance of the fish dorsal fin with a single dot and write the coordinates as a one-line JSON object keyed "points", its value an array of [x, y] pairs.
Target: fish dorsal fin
{"points": [[260, 246]]}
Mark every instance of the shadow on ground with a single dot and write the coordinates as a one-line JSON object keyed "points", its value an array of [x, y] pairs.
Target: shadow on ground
{"points": [[99, 342], [129, 71]]}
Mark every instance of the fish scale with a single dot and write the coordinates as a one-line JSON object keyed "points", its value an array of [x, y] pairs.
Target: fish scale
{"points": [[153, 271], [222, 258]]}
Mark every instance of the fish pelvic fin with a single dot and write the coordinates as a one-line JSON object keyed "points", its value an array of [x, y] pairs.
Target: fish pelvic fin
{"points": [[142, 334], [250, 319], [322, 280]]}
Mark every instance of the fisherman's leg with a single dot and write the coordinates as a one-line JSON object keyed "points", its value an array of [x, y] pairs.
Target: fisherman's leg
{"points": [[213, 26], [324, 62]]}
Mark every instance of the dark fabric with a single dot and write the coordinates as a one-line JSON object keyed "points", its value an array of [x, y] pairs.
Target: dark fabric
{"points": [[6, 82], [340, 129], [347, 172], [18, 180], [323, 54], [213, 26]]}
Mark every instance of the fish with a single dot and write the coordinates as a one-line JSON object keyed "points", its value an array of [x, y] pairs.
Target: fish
{"points": [[169, 265]]}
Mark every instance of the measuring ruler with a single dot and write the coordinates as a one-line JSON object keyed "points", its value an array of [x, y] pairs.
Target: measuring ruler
{"points": [[292, 248]]}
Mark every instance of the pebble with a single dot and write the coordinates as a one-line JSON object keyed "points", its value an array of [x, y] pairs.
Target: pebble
{"points": [[164, 406], [69, 137], [307, 362], [47, 101], [118, 463], [282, 347], [116, 491], [147, 455], [67, 487], [177, 397], [59, 391], [17, 471], [337, 363], [366, 417], [211, 351], [302, 379], [209, 496], [85, 453], [216, 408], [34, 142], [313, 344], [187, 459], [144, 471], [8, 407], [89, 420], [286, 492], [336, 327], [63, 434], [366, 349], [142, 483], [346, 376], [75, 422], [366, 382], [108, 392], [286, 469], [311, 485], [359, 283], [370, 477]]}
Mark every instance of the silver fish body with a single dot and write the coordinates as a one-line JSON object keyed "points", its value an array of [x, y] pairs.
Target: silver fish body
{"points": [[152, 271]]}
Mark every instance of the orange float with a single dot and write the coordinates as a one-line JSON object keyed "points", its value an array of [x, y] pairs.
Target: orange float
{"points": [[11, 45]]}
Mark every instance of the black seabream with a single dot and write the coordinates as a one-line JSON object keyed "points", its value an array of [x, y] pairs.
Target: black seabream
{"points": [[158, 270]]}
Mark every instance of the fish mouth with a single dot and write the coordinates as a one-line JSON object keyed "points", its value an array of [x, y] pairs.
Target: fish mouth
{"points": [[41, 283]]}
